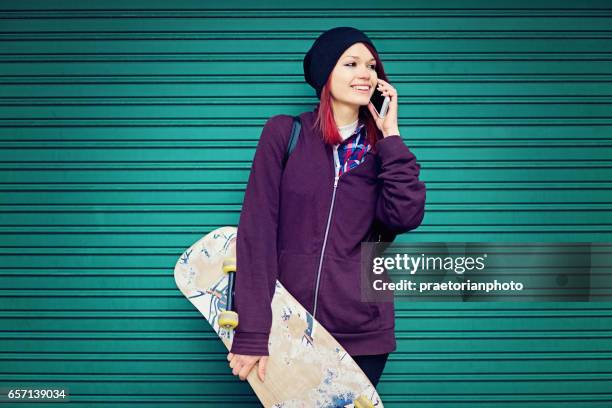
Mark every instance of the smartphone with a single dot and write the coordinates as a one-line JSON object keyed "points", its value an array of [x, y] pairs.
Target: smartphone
{"points": [[380, 102]]}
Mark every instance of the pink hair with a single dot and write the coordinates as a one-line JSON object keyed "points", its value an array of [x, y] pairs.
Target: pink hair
{"points": [[325, 117]]}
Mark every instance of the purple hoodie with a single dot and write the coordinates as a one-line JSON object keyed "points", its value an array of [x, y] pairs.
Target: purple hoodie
{"points": [[304, 227]]}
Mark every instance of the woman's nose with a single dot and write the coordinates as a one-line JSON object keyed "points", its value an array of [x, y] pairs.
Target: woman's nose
{"points": [[364, 72], [364, 76]]}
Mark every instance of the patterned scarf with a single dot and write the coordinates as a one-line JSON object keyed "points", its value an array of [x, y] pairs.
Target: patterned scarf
{"points": [[351, 152]]}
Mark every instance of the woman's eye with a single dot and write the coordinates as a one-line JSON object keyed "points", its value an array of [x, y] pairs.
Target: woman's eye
{"points": [[352, 64]]}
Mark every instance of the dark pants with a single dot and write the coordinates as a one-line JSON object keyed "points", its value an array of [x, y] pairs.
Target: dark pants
{"points": [[372, 366]]}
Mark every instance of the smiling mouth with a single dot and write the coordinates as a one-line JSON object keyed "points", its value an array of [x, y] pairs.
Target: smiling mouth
{"points": [[362, 89]]}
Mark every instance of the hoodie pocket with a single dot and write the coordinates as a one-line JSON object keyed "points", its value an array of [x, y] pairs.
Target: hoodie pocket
{"points": [[340, 308], [297, 274]]}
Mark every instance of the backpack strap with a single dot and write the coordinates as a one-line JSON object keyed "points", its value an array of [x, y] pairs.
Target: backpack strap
{"points": [[295, 133]]}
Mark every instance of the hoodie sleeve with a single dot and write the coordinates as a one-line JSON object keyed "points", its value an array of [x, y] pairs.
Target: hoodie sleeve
{"points": [[401, 203], [256, 257]]}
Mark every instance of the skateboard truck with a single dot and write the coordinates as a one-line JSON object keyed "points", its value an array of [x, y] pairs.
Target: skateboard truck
{"points": [[228, 319]]}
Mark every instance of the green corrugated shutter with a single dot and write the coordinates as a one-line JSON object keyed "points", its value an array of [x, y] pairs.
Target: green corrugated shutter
{"points": [[127, 132]]}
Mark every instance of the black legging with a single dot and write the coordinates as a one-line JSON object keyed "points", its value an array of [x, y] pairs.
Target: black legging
{"points": [[372, 365]]}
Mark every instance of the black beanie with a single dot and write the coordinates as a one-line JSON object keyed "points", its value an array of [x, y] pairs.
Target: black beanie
{"points": [[322, 57]]}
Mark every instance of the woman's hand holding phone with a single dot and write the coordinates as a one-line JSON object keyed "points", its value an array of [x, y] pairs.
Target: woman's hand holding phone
{"points": [[387, 125]]}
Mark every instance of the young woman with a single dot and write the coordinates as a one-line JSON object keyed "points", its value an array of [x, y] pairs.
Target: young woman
{"points": [[349, 179]]}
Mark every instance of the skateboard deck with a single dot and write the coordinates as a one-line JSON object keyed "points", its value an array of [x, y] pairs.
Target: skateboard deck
{"points": [[307, 367]]}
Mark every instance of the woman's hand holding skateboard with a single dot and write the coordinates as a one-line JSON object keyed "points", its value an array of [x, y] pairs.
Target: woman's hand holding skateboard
{"points": [[241, 365]]}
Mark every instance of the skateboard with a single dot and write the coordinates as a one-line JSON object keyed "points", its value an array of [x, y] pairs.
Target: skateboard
{"points": [[307, 367]]}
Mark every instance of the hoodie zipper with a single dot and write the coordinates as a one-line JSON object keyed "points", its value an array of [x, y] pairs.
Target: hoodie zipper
{"points": [[329, 217]]}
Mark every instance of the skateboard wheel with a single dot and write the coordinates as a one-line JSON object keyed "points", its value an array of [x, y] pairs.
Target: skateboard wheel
{"points": [[229, 265], [363, 402], [228, 319]]}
